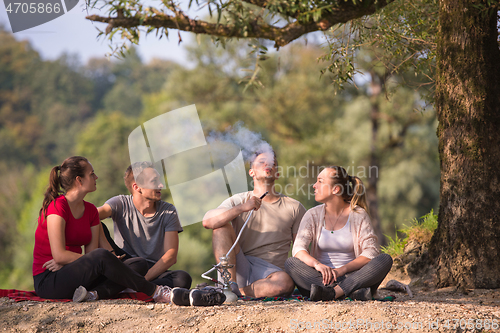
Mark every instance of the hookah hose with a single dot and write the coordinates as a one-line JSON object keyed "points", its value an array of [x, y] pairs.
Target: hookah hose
{"points": [[224, 262], [244, 225]]}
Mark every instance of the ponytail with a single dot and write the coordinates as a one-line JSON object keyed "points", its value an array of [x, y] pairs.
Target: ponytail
{"points": [[53, 191], [61, 179], [358, 194]]}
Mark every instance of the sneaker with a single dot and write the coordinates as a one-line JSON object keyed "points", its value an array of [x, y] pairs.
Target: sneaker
{"points": [[322, 293], [206, 297], [201, 285], [81, 295], [162, 294], [363, 294], [180, 296]]}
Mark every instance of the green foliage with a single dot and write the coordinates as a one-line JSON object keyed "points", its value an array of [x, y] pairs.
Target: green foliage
{"points": [[395, 246], [36, 98], [419, 230], [17, 186], [45, 107], [104, 144], [298, 113], [195, 254], [131, 80], [402, 36], [18, 273]]}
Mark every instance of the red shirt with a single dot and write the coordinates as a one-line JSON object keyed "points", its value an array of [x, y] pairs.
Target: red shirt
{"points": [[77, 231]]}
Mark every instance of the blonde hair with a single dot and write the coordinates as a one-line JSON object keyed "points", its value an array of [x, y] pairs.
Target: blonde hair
{"points": [[353, 189]]}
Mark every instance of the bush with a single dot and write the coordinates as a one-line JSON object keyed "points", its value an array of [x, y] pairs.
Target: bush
{"points": [[419, 230]]}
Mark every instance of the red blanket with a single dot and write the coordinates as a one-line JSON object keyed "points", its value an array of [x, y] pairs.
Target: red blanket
{"points": [[20, 295]]}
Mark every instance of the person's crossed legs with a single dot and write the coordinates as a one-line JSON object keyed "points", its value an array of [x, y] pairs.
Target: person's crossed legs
{"points": [[254, 276]]}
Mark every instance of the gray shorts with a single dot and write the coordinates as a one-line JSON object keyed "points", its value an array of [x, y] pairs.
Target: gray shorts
{"points": [[250, 269]]}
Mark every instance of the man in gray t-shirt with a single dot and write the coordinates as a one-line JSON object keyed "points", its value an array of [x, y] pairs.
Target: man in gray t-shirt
{"points": [[145, 226]]}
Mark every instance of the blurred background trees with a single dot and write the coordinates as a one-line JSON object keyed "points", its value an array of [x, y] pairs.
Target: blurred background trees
{"points": [[50, 110]]}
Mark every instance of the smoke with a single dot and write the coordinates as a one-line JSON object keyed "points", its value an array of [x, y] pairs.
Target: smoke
{"points": [[225, 146]]}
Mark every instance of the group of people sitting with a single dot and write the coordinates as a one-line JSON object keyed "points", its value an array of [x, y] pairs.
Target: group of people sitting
{"points": [[335, 250]]}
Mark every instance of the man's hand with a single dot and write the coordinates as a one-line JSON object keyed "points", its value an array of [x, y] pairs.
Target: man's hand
{"points": [[252, 203], [52, 266], [219, 217]]}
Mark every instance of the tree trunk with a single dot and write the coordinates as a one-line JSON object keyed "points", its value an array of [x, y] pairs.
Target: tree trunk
{"points": [[466, 244], [371, 191]]}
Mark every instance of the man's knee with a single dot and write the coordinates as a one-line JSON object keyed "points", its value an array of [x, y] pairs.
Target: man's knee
{"points": [[223, 232], [223, 238], [138, 264], [282, 282], [182, 279]]}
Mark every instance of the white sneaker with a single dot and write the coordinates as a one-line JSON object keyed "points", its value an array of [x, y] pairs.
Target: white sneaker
{"points": [[162, 294]]}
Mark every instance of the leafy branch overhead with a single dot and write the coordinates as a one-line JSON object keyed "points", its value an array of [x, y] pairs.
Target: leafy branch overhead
{"points": [[281, 21]]}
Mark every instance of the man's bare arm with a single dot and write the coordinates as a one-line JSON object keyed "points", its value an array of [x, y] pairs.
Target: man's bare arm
{"points": [[104, 213], [171, 245], [219, 217]]}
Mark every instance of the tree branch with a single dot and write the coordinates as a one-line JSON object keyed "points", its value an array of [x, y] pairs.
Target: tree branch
{"points": [[345, 12]]}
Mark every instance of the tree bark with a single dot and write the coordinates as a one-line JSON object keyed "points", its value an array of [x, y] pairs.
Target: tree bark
{"points": [[466, 244], [372, 189]]}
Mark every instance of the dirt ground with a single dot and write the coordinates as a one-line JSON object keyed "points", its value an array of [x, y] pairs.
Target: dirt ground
{"points": [[442, 310]]}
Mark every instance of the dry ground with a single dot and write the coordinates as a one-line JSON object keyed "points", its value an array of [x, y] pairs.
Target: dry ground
{"points": [[428, 311]]}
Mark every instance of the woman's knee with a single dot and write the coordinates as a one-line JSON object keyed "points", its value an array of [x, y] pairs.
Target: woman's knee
{"points": [[99, 256], [385, 261], [100, 252]]}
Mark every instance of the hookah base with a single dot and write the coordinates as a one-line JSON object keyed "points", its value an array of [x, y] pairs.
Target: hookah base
{"points": [[230, 296]]}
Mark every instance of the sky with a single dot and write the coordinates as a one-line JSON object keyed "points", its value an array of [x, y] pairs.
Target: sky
{"points": [[72, 33]]}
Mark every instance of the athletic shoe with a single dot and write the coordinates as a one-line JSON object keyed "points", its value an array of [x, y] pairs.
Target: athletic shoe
{"points": [[206, 286], [363, 294], [206, 297], [322, 293], [162, 294], [201, 285], [180, 296], [81, 295]]}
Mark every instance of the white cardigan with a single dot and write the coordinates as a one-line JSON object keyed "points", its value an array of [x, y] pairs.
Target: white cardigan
{"points": [[364, 238]]}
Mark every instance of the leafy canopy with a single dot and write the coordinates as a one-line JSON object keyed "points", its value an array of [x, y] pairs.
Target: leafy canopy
{"points": [[403, 32]]}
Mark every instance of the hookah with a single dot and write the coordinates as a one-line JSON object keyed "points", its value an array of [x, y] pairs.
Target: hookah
{"points": [[223, 266]]}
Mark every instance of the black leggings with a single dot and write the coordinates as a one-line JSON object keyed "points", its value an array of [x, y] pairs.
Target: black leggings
{"points": [[99, 270], [172, 279], [370, 275]]}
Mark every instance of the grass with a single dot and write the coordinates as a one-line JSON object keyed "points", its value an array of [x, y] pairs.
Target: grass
{"points": [[420, 230]]}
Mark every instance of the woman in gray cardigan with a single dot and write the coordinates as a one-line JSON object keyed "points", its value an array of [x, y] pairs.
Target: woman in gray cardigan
{"points": [[336, 252]]}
